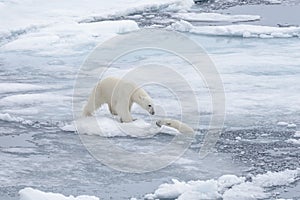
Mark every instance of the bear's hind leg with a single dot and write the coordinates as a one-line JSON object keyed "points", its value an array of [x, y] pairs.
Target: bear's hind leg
{"points": [[93, 104]]}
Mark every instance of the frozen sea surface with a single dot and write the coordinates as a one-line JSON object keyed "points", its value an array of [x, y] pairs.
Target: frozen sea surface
{"points": [[40, 58]]}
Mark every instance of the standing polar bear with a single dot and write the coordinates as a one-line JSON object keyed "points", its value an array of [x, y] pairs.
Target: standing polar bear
{"points": [[119, 94]]}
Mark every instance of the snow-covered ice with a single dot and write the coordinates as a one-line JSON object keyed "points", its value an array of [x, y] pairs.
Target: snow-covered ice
{"points": [[34, 194], [61, 28], [68, 37], [215, 17], [291, 125], [8, 118], [56, 11], [275, 1], [238, 30], [282, 124], [227, 187], [286, 124]]}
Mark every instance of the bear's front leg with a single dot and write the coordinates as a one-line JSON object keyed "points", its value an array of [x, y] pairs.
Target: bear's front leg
{"points": [[111, 110], [126, 118], [123, 112]]}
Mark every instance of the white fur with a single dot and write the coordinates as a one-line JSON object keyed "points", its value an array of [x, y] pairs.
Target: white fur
{"points": [[119, 94], [180, 126]]}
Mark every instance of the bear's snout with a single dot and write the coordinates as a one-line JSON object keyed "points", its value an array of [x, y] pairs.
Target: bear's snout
{"points": [[152, 112]]}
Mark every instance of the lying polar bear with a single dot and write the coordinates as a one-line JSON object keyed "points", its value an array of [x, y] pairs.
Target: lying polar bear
{"points": [[119, 94], [180, 126]]}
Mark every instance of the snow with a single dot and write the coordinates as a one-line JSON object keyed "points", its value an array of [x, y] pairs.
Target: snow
{"points": [[227, 187], [247, 191], [274, 1], [56, 10], [139, 7], [34, 194], [66, 37], [238, 30], [238, 138], [182, 26], [215, 17], [291, 125], [68, 127], [271, 179], [227, 181], [286, 124], [7, 117], [62, 28]]}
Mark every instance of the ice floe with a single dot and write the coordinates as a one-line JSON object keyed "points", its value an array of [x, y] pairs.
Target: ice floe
{"points": [[282, 124], [291, 125], [215, 17], [62, 29], [8, 118], [34, 194], [141, 7], [237, 30], [68, 37], [227, 187], [55, 11]]}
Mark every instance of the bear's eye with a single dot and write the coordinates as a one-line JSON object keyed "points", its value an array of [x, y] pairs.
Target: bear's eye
{"points": [[149, 106]]}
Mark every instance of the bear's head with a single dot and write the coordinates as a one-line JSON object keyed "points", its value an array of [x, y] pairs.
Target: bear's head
{"points": [[147, 104]]}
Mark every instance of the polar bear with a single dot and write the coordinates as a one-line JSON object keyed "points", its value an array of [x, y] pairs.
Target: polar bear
{"points": [[119, 94], [180, 126]]}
